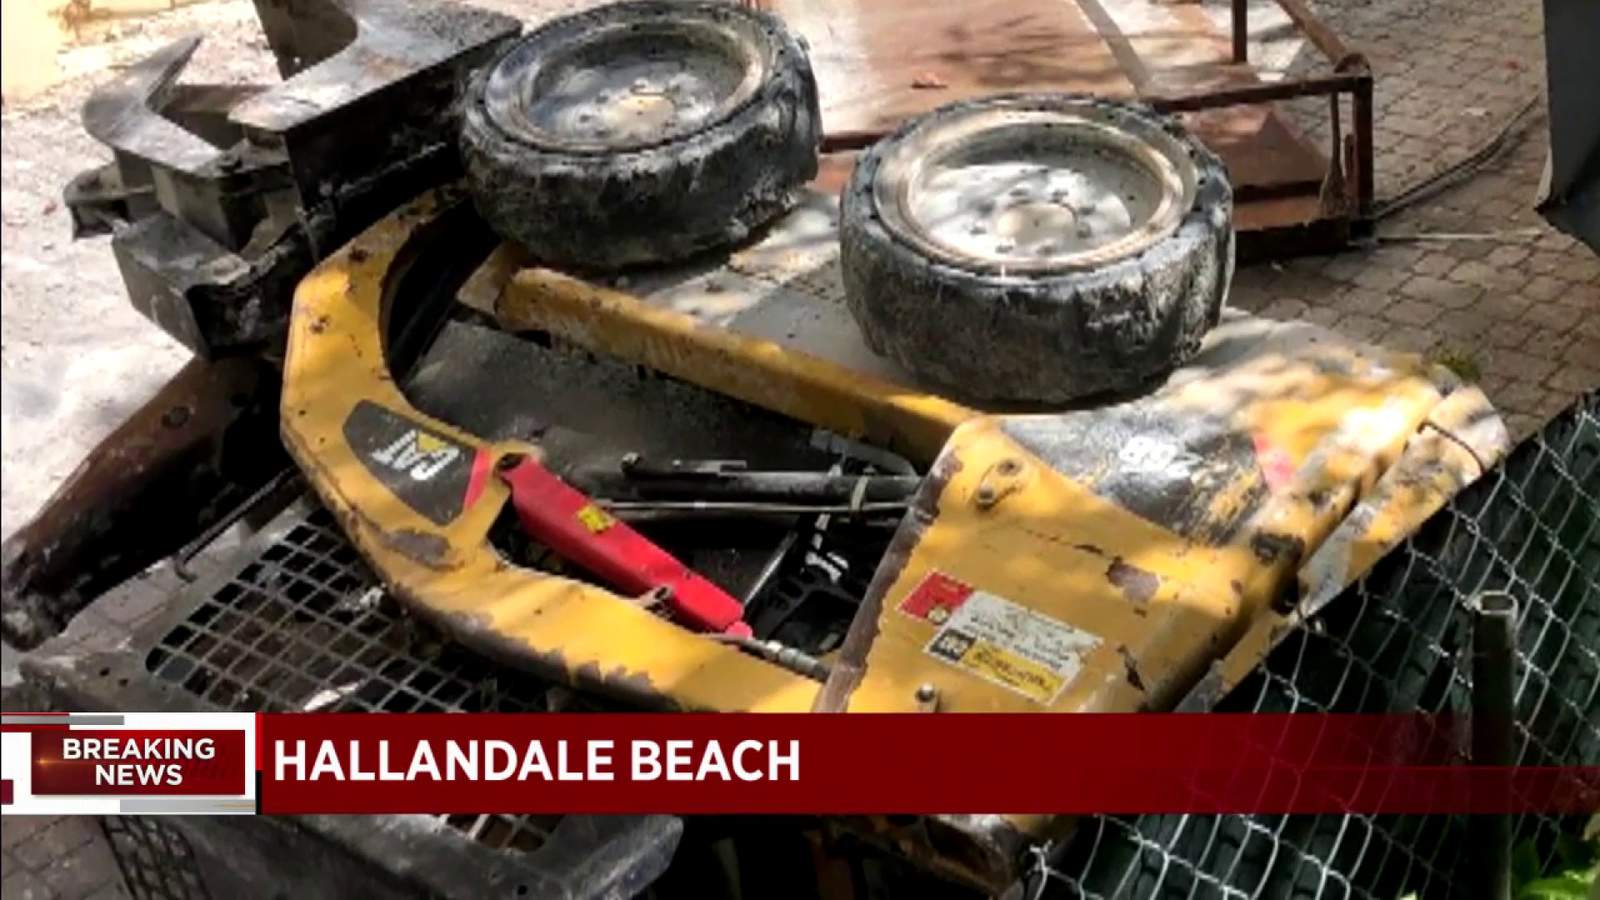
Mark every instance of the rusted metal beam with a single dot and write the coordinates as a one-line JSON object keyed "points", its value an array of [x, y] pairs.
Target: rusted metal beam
{"points": [[1258, 93], [207, 440], [1320, 35], [1361, 112], [1241, 31], [838, 141]]}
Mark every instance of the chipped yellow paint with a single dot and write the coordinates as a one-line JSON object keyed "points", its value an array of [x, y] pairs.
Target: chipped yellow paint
{"points": [[595, 519], [1052, 545], [897, 417], [1049, 545], [1462, 436]]}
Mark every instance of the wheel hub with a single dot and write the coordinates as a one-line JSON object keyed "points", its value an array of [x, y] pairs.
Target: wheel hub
{"points": [[626, 88], [1033, 190]]}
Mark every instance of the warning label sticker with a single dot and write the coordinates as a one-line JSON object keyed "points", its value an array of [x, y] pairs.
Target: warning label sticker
{"points": [[998, 640]]}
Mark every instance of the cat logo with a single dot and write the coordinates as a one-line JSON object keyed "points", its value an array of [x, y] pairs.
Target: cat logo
{"points": [[430, 472], [417, 454]]}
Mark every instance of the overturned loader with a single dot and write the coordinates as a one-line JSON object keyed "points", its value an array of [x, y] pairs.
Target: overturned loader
{"points": [[626, 398]]}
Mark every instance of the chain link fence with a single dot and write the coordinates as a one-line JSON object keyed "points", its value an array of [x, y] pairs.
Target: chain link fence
{"points": [[1399, 640], [155, 860]]}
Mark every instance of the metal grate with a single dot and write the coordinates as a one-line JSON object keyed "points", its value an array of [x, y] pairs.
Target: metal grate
{"points": [[156, 860], [1398, 641], [305, 626]]}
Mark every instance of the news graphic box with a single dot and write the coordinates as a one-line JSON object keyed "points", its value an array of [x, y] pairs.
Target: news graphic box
{"points": [[127, 763]]}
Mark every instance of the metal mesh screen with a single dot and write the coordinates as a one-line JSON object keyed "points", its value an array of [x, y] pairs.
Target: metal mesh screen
{"points": [[1398, 641], [305, 626], [155, 859]]}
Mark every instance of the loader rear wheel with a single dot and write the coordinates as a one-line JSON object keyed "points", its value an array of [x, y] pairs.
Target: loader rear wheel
{"points": [[641, 132], [1037, 248]]}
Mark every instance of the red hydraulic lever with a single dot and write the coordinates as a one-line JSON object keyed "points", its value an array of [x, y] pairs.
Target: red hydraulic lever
{"points": [[569, 523]]}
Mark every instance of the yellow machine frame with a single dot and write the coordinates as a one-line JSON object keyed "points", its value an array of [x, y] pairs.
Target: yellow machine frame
{"points": [[1356, 447]]}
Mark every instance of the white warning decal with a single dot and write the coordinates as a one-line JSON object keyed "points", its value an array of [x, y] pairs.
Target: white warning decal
{"points": [[1009, 644]]}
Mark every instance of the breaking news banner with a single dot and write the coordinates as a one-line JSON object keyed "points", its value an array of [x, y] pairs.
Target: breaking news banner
{"points": [[746, 763], [127, 763]]}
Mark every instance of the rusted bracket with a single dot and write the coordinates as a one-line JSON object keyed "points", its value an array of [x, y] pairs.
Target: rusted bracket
{"points": [[183, 460]]}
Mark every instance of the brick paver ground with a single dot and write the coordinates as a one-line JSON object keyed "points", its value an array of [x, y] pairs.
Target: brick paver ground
{"points": [[57, 859], [1519, 312], [1519, 308]]}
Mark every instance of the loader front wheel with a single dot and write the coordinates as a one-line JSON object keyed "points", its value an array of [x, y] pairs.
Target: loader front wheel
{"points": [[642, 132], [1037, 248]]}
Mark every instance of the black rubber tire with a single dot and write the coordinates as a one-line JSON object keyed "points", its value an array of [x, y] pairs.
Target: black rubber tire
{"points": [[603, 211], [1048, 337]]}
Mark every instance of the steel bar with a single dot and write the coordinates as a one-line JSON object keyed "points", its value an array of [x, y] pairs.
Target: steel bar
{"points": [[793, 488], [770, 569], [1259, 93], [791, 658], [1361, 114], [842, 141], [1494, 663], [1320, 35], [1241, 31], [634, 510]]}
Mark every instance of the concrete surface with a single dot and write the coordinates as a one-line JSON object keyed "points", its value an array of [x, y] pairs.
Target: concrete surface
{"points": [[74, 356], [67, 857], [1516, 302]]}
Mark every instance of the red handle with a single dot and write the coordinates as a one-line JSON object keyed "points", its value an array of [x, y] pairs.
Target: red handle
{"points": [[569, 523]]}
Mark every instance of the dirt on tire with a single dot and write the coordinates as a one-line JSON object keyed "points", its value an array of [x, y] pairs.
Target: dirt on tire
{"points": [[1040, 336], [602, 210]]}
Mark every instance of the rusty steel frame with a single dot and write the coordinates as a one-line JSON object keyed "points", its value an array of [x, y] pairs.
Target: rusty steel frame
{"points": [[176, 466], [1351, 75]]}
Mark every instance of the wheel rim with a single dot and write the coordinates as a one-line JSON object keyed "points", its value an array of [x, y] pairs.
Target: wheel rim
{"points": [[625, 85], [1014, 189]]}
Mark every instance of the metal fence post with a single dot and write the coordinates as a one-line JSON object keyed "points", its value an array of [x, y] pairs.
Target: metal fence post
{"points": [[1494, 663]]}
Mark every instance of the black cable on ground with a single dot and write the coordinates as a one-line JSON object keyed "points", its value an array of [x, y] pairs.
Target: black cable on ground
{"points": [[1489, 151]]}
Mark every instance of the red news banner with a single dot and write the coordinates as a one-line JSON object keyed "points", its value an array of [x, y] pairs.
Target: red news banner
{"points": [[160, 762], [732, 763]]}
